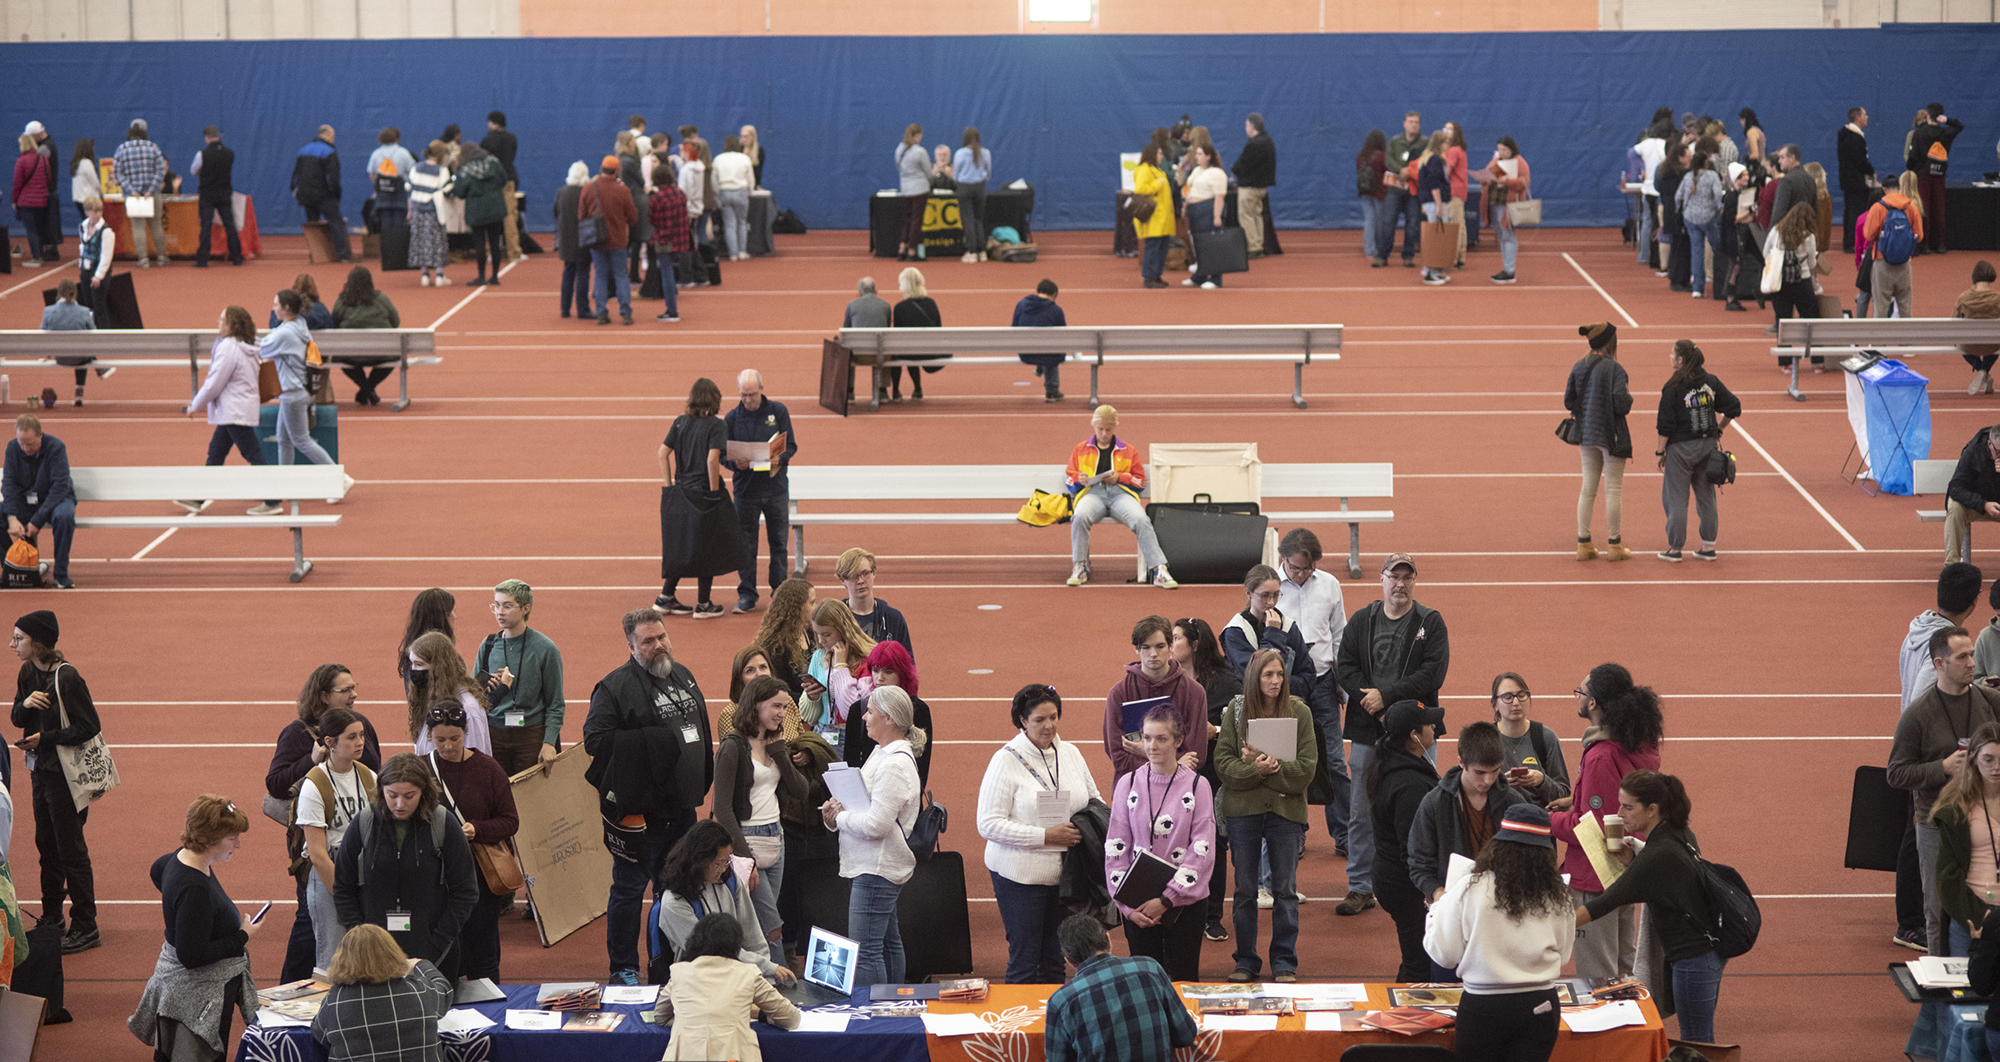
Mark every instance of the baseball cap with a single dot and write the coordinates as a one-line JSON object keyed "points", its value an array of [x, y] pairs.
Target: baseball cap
{"points": [[1526, 824], [33, 129], [1405, 717], [610, 162], [1389, 563]]}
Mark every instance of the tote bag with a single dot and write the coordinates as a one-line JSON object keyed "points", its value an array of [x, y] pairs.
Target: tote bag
{"points": [[141, 206], [87, 767], [1524, 212]]}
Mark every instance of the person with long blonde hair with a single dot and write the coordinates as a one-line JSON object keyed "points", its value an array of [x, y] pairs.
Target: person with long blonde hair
{"points": [[837, 673], [438, 673], [785, 636], [1889, 281], [1967, 817], [1798, 291]]}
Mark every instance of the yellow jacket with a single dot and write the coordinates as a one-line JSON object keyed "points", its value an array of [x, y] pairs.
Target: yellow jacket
{"points": [[1148, 180]]}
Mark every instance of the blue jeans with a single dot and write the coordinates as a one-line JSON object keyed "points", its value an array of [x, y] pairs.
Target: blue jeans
{"points": [[293, 434], [665, 261], [871, 921], [1509, 240], [1400, 204], [765, 895], [1153, 256], [1031, 914], [1360, 824], [1273, 835], [735, 219], [576, 287], [1100, 503], [1325, 703], [624, 911], [772, 503], [1371, 220], [610, 266], [1697, 984], [1700, 239]]}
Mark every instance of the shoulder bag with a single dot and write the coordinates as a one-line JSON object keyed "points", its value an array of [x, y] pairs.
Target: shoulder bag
{"points": [[1567, 430], [932, 821], [499, 866], [589, 218], [268, 385], [1524, 212], [87, 767]]}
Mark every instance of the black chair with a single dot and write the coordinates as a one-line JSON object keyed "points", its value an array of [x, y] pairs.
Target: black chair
{"points": [[1397, 1053]]}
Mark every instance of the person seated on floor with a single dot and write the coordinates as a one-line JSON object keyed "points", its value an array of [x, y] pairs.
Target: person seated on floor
{"points": [[36, 491], [1106, 478]]}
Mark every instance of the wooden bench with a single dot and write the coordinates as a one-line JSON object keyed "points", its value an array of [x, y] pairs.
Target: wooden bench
{"points": [[1934, 477], [1895, 337], [214, 483], [159, 348], [1013, 484], [1300, 345]]}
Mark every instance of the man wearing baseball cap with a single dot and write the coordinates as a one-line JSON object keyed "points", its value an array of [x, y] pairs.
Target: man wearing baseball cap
{"points": [[607, 197], [1392, 650]]}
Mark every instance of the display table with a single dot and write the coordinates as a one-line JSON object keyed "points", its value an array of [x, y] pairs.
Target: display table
{"points": [[1014, 1011], [944, 237], [183, 227], [1972, 217]]}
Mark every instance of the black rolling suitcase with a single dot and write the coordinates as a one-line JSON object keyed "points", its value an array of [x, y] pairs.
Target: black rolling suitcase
{"points": [[42, 973], [395, 244], [1207, 541], [935, 922]]}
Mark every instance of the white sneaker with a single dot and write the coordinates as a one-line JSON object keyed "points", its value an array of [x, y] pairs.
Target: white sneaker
{"points": [[968, 257], [1079, 575], [193, 507], [440, 280], [424, 279], [348, 486], [1163, 579], [1188, 283], [1264, 900], [1208, 285], [267, 509]]}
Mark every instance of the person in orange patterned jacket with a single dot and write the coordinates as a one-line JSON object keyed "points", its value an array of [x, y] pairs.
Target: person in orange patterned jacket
{"points": [[1105, 478]]}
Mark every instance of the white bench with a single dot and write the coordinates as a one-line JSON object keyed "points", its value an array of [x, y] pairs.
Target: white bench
{"points": [[1300, 345], [1934, 477], [1014, 483], [160, 348], [214, 483], [1896, 337]]}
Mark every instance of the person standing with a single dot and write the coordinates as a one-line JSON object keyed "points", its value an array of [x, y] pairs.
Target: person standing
{"points": [[52, 706], [522, 671], [1155, 674], [1401, 203], [1505, 180], [971, 168], [31, 197], [1795, 187], [141, 170], [1700, 201], [873, 616], [1929, 748], [576, 260], [477, 791], [203, 972], [1155, 231], [647, 736], [229, 394], [214, 164], [503, 146], [1370, 186], [699, 534], [1391, 650], [1695, 409], [1115, 1008], [760, 493], [875, 853], [405, 865], [1857, 173], [1652, 151], [1164, 810], [1623, 736], [754, 777], [1256, 171], [1456, 165], [1261, 624], [1930, 150], [913, 181], [1534, 754], [1598, 398], [1311, 597], [1893, 229], [1105, 478], [332, 795], [1203, 196], [608, 197], [735, 177], [479, 182], [1979, 301], [1968, 877], [672, 232], [1461, 815], [316, 186], [429, 182], [1263, 805], [1021, 796], [1433, 189], [1400, 776], [1039, 310], [1799, 272], [52, 233], [85, 181], [36, 492]]}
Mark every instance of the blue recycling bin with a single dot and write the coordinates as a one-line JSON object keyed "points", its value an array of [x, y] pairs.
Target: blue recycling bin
{"points": [[1889, 409]]}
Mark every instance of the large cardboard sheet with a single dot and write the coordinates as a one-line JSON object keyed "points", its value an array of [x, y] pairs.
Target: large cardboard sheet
{"points": [[561, 845]]}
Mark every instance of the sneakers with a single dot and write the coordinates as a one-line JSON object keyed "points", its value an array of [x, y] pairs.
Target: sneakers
{"points": [[1671, 556], [969, 256], [77, 940], [624, 318], [1164, 579], [194, 508], [1502, 277], [64, 582], [476, 282], [1215, 931], [668, 318], [1079, 575], [1355, 903], [1734, 307], [744, 603], [266, 509], [1209, 285], [1264, 900], [1155, 282], [1241, 976], [1053, 396], [1912, 939], [708, 610], [424, 280], [623, 975], [671, 606], [105, 374], [1704, 554], [604, 317], [1188, 283], [1435, 278], [1616, 551]]}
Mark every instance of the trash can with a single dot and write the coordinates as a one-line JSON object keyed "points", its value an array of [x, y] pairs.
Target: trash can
{"points": [[1890, 412]]}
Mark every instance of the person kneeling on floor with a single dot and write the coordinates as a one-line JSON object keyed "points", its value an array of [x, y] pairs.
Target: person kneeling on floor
{"points": [[1106, 478]]}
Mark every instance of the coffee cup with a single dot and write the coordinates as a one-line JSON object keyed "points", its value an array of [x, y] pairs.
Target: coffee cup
{"points": [[1614, 832]]}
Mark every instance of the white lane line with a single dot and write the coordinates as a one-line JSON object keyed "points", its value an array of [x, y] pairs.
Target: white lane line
{"points": [[849, 292], [1036, 410], [164, 535], [632, 480], [504, 270], [584, 696], [55, 271], [1600, 290], [1796, 485], [1037, 587], [991, 743]]}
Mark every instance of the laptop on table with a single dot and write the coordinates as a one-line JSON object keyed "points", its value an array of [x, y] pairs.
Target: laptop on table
{"points": [[829, 977]]}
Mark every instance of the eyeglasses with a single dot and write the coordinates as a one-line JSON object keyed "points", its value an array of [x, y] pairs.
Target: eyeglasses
{"points": [[1512, 698], [1581, 692]]}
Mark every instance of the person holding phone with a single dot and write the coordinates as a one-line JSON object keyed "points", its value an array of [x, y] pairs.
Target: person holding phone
{"points": [[204, 966], [333, 793], [1534, 753], [837, 674]]}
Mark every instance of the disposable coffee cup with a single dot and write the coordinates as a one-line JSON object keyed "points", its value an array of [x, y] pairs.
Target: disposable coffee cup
{"points": [[1614, 832]]}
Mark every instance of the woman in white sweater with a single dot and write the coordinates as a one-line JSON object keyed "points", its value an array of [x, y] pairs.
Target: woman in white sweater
{"points": [[734, 178], [693, 182], [1033, 785], [1508, 926], [874, 843]]}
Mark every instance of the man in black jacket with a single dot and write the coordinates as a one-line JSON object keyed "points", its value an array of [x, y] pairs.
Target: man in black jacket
{"points": [[218, 196], [503, 144], [1392, 650], [1974, 493], [647, 736], [316, 185], [1857, 174], [1256, 171], [1930, 148]]}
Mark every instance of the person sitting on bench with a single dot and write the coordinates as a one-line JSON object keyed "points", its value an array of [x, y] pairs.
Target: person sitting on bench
{"points": [[1105, 478], [38, 492]]}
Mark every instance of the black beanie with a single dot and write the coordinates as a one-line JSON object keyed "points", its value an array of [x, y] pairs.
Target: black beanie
{"points": [[1601, 335], [41, 626]]}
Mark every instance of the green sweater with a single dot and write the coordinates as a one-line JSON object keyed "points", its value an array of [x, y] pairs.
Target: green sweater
{"points": [[380, 313], [1245, 790], [538, 680]]}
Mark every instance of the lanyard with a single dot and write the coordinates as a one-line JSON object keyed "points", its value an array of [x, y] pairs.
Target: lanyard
{"points": [[1153, 807], [1055, 772]]}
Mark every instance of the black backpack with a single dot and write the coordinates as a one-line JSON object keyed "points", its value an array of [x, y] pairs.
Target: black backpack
{"points": [[1734, 920], [931, 821], [1720, 469]]}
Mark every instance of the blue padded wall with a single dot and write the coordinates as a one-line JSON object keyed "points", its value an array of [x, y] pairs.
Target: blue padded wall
{"points": [[1054, 110]]}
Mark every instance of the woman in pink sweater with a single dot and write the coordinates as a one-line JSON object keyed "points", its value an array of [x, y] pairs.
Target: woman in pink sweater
{"points": [[229, 394], [1166, 809], [1623, 736]]}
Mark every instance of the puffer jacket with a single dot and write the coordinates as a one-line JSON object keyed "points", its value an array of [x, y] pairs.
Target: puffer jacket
{"points": [[482, 183], [1598, 397]]}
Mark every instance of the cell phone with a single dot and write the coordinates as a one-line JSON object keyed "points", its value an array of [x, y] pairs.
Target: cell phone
{"points": [[261, 911]]}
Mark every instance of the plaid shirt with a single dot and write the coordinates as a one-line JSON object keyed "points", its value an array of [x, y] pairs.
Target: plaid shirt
{"points": [[668, 214], [138, 167], [1116, 1009], [391, 1022]]}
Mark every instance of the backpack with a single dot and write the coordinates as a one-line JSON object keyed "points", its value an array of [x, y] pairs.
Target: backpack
{"points": [[1897, 240], [295, 834], [1720, 469], [1366, 181], [388, 185], [1734, 920], [932, 820], [440, 822]]}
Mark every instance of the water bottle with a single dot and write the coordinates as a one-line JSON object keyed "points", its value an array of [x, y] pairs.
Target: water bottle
{"points": [[3, 388]]}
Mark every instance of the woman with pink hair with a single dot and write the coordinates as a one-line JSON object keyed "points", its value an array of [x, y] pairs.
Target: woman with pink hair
{"points": [[890, 664]]}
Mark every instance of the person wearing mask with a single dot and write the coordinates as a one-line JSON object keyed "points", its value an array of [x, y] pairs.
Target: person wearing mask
{"points": [[1203, 197], [1534, 756], [575, 259], [229, 394], [1371, 186], [1699, 200], [430, 185], [1433, 191], [1039, 310], [734, 179], [1930, 151], [913, 180], [334, 793], [1256, 171], [434, 609], [1401, 203], [361, 305], [85, 180], [1312, 599], [1798, 293], [1623, 736], [141, 171], [1154, 674], [1930, 747], [875, 853], [316, 186], [31, 196], [876, 618], [522, 671], [1982, 302], [889, 664], [647, 736], [203, 968], [606, 195], [760, 493], [712, 993], [1505, 180], [1695, 409], [1507, 928], [1155, 231], [476, 790], [1893, 229], [699, 534], [382, 1003], [1597, 396], [52, 706], [1167, 811], [837, 676], [1263, 805], [437, 673], [1033, 786], [754, 773], [971, 168], [287, 345], [406, 866], [1106, 479], [1399, 777], [1668, 878], [1196, 650], [1460, 817], [1968, 878]]}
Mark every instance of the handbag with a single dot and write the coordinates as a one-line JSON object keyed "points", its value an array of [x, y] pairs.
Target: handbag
{"points": [[1524, 212], [1143, 207], [589, 219], [87, 767], [1567, 431], [268, 386], [764, 850], [498, 865], [141, 206], [1773, 277]]}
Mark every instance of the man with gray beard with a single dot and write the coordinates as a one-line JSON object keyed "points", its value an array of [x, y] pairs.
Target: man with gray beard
{"points": [[647, 736]]}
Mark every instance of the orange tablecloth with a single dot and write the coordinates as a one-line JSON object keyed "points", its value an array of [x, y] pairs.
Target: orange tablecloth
{"points": [[1016, 1011], [183, 227]]}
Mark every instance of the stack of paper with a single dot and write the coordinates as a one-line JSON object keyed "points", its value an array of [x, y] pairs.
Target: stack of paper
{"points": [[546, 1020], [955, 1024], [846, 786], [464, 1020], [1608, 1016], [963, 990], [1937, 971], [570, 995], [631, 995]]}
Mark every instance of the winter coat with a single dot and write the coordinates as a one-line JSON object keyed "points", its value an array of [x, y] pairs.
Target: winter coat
{"points": [[1598, 397]]}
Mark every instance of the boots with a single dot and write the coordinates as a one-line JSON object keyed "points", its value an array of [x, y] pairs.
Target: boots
{"points": [[1585, 551], [1616, 551]]}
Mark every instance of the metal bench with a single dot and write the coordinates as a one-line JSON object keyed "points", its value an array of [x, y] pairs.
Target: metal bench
{"points": [[1897, 337], [1934, 477], [159, 348], [214, 483], [1300, 345]]}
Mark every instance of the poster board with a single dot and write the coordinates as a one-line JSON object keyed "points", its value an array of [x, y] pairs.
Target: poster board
{"points": [[561, 846], [1226, 472], [1127, 162]]}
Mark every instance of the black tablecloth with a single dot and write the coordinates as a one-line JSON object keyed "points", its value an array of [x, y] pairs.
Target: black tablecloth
{"points": [[943, 238], [1972, 218]]}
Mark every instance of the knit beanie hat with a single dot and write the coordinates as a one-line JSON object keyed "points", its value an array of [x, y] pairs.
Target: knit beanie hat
{"points": [[1601, 335], [41, 626]]}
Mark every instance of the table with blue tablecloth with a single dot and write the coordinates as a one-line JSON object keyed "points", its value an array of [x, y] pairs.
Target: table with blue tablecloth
{"points": [[876, 1039], [1949, 1032]]}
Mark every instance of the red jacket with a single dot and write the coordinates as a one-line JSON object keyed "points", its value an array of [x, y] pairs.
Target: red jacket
{"points": [[1605, 764], [31, 180], [607, 195]]}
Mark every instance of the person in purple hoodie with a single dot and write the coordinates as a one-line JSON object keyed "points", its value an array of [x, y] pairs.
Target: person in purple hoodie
{"points": [[1155, 674], [1167, 810]]}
